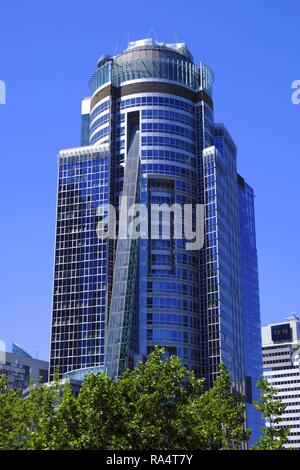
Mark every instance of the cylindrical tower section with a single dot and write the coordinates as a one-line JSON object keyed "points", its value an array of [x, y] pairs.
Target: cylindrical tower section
{"points": [[172, 97]]}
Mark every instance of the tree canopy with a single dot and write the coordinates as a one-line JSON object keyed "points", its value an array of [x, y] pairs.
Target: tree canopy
{"points": [[273, 436], [159, 405]]}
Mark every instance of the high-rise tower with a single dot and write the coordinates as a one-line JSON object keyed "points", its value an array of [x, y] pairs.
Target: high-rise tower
{"points": [[148, 133]]}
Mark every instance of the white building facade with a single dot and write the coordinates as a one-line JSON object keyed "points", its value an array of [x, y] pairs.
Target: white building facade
{"points": [[281, 367]]}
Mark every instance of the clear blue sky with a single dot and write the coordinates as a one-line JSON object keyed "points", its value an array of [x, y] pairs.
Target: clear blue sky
{"points": [[48, 49]]}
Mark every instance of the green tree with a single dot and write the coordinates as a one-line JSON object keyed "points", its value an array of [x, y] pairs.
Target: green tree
{"points": [[274, 437], [159, 405], [12, 417], [64, 424], [142, 410], [159, 393], [101, 417], [219, 415], [40, 409]]}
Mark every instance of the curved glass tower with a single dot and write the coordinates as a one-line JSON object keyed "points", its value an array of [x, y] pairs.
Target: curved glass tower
{"points": [[148, 133]]}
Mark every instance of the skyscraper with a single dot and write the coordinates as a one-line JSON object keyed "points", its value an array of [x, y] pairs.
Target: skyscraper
{"points": [[148, 133]]}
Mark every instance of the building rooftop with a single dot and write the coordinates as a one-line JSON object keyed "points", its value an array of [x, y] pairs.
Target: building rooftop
{"points": [[150, 59], [179, 47], [18, 351]]}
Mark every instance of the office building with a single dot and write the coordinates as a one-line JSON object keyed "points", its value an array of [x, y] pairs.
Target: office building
{"points": [[20, 368], [281, 367], [148, 133]]}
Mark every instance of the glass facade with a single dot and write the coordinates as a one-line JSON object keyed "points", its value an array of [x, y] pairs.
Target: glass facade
{"points": [[18, 351], [251, 308], [221, 273], [81, 262], [149, 133]]}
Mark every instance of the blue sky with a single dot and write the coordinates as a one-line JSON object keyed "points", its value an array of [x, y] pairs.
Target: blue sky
{"points": [[49, 49]]}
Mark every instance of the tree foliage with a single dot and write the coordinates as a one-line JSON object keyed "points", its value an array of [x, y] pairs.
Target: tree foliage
{"points": [[159, 405], [222, 414], [273, 436]]}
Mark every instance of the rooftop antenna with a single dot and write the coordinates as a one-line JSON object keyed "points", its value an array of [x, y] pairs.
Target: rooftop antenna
{"points": [[36, 354], [152, 34], [124, 44], [293, 316], [175, 37], [116, 49]]}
